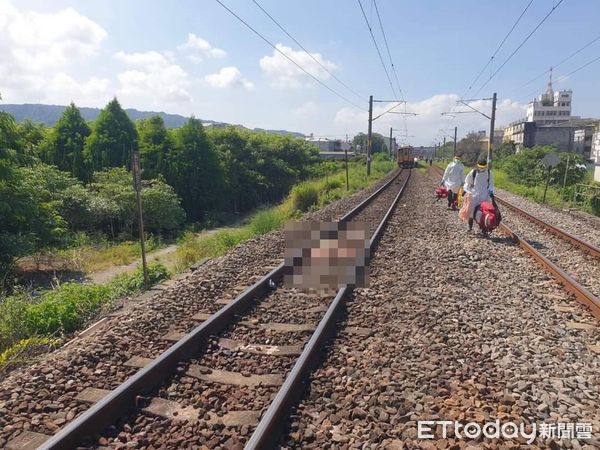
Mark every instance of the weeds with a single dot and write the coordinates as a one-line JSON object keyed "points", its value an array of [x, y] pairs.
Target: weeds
{"points": [[25, 318]]}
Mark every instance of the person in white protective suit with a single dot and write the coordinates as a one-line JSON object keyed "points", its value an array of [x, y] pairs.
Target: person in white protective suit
{"points": [[454, 177], [479, 184]]}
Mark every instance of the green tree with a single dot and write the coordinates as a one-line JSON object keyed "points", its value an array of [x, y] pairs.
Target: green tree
{"points": [[31, 135], [155, 145], [194, 170], [470, 147], [112, 140], [65, 143], [379, 143]]}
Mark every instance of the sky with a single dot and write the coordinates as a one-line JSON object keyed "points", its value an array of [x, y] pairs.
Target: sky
{"points": [[194, 57]]}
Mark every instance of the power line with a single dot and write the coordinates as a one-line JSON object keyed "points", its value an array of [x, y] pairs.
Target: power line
{"points": [[564, 77], [287, 57], [559, 64], [388, 50], [499, 47], [307, 52], [391, 62], [519, 46], [377, 47]]}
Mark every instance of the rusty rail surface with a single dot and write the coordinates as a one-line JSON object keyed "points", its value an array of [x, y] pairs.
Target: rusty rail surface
{"points": [[569, 283], [268, 431], [123, 397]]}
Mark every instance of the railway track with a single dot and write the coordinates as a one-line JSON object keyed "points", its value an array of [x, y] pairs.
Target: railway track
{"points": [[580, 277], [255, 351]]}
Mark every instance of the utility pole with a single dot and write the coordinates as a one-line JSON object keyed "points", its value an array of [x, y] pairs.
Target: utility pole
{"points": [[346, 155], [137, 186], [391, 142], [492, 125], [444, 150], [369, 135], [455, 129]]}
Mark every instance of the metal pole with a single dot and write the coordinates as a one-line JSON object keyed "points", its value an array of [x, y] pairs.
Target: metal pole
{"points": [[346, 154], [492, 125], [137, 185], [444, 150], [547, 183], [455, 129], [566, 170], [370, 135], [390, 142]]}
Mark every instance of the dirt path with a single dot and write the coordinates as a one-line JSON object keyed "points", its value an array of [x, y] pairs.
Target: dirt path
{"points": [[165, 255]]}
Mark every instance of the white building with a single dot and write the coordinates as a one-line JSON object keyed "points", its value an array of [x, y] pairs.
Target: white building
{"points": [[551, 107]]}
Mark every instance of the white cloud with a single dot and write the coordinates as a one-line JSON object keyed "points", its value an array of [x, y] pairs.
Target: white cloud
{"points": [[37, 48], [199, 48], [228, 76], [425, 126], [153, 79], [307, 110], [284, 73]]}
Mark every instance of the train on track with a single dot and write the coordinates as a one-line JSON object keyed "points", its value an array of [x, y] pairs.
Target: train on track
{"points": [[405, 157]]}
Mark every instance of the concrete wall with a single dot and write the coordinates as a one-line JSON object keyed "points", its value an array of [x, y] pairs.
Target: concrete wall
{"points": [[561, 137]]}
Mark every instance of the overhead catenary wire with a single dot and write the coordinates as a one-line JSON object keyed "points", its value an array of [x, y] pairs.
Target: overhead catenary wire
{"points": [[540, 23], [498, 48], [391, 62], [333, 91], [564, 77], [361, 97], [564, 60], [377, 48]]}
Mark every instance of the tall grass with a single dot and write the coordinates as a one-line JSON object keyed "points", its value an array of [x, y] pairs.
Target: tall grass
{"points": [[25, 318], [303, 197]]}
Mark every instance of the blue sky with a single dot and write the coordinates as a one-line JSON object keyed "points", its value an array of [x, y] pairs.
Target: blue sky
{"points": [[193, 57]]}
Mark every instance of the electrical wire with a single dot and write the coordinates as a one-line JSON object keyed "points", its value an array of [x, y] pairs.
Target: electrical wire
{"points": [[288, 57], [519, 46], [361, 97], [498, 48], [377, 48]]}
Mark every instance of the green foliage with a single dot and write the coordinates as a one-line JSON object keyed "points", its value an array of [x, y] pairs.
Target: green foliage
{"points": [[65, 143], [265, 220], [66, 308], [22, 351], [193, 170], [155, 143], [260, 168], [127, 284], [112, 140], [304, 196], [526, 168], [379, 143]]}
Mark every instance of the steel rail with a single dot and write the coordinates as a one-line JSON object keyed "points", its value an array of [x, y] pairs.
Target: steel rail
{"points": [[569, 283], [562, 234], [558, 232], [583, 295], [267, 432], [124, 397]]}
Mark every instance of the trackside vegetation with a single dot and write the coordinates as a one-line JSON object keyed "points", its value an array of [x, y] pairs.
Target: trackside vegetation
{"points": [[30, 321], [306, 196]]}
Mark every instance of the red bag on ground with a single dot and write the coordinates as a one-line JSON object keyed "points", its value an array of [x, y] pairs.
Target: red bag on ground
{"points": [[441, 192], [487, 216]]}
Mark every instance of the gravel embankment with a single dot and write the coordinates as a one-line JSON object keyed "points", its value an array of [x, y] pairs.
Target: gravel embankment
{"points": [[582, 267], [41, 398], [462, 328], [582, 225], [212, 401]]}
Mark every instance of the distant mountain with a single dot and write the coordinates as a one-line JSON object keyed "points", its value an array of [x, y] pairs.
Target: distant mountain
{"points": [[49, 115]]}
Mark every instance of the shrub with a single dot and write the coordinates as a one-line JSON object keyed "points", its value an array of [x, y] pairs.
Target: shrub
{"points": [[266, 220], [304, 195], [131, 283]]}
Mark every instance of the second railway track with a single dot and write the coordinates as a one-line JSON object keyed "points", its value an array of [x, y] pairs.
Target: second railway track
{"points": [[214, 384], [570, 259]]}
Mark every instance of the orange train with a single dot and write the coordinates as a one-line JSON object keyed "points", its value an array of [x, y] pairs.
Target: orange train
{"points": [[405, 157]]}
